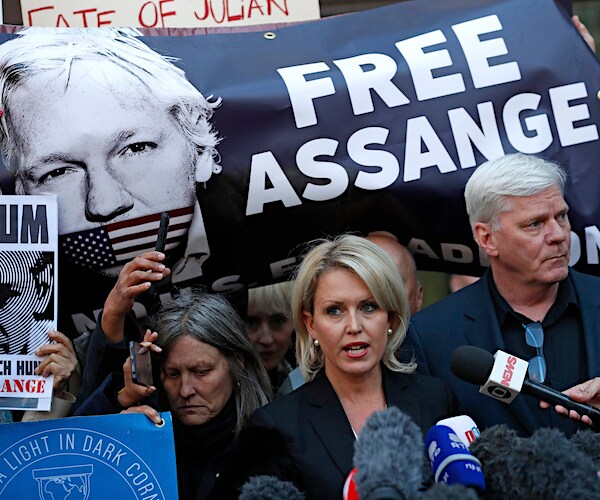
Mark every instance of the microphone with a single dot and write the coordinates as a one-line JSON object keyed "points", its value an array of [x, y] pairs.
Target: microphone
{"points": [[350, 492], [269, 488], [443, 491], [463, 426], [504, 376], [545, 465], [389, 457], [588, 442], [451, 460]]}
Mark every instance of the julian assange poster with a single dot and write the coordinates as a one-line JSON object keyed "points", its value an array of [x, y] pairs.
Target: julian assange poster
{"points": [[362, 122]]}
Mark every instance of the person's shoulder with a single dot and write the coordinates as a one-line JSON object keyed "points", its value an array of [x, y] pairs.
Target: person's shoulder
{"points": [[580, 278], [285, 403], [418, 380]]}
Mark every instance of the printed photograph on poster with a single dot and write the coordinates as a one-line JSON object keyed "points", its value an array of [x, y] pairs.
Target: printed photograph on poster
{"points": [[28, 297], [376, 126]]}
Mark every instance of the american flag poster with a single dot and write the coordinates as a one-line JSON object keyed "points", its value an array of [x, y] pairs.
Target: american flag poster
{"points": [[117, 243], [28, 297]]}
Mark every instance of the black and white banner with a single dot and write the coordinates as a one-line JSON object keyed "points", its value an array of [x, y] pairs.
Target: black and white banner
{"points": [[362, 122]]}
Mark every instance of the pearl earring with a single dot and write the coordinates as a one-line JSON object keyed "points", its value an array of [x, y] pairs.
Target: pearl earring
{"points": [[316, 342], [390, 331]]}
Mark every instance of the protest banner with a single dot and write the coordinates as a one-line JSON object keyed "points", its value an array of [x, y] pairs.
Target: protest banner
{"points": [[111, 456], [166, 13], [28, 297], [376, 124]]}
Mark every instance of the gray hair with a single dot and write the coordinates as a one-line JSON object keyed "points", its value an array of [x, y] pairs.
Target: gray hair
{"points": [[38, 50], [514, 174], [371, 264], [211, 319]]}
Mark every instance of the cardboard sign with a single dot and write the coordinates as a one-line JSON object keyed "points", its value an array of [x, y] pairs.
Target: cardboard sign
{"points": [[111, 456], [166, 13]]}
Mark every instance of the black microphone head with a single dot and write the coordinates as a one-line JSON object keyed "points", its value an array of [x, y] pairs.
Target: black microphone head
{"points": [[588, 442], [444, 491], [556, 468], [472, 364], [545, 465], [390, 456], [269, 488], [498, 450]]}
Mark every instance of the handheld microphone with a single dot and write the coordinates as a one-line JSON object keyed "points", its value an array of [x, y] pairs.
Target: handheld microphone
{"points": [[464, 427], [477, 366], [389, 457], [269, 488], [451, 460]]}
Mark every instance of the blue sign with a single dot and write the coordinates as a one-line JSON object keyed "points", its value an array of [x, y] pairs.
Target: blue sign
{"points": [[87, 458]]}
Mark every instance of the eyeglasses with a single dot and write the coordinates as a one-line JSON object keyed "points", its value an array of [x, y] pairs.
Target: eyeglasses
{"points": [[534, 336]]}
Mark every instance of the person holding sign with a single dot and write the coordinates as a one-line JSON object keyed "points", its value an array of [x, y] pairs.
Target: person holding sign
{"points": [[210, 378], [59, 360], [118, 133]]}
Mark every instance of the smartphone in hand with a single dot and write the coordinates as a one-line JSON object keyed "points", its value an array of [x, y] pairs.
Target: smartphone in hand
{"points": [[161, 242], [163, 228], [141, 364]]}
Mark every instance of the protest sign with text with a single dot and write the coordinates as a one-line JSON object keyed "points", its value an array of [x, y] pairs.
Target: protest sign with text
{"points": [[166, 13], [376, 124], [110, 456], [28, 297]]}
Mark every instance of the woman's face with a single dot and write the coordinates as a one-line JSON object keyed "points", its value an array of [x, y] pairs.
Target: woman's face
{"points": [[350, 326], [197, 380], [271, 334]]}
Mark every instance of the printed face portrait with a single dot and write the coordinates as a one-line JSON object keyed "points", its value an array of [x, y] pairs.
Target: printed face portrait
{"points": [[109, 157], [26, 305], [117, 132]]}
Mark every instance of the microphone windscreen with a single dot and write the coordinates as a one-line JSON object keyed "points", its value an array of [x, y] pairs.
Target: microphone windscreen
{"points": [[545, 465], [389, 455], [443, 491], [269, 488], [472, 364], [451, 460], [588, 442]]}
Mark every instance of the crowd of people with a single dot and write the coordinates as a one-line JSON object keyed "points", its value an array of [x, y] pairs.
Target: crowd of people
{"points": [[309, 360]]}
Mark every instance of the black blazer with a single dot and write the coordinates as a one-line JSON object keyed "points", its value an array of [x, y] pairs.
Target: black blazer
{"points": [[313, 418], [468, 317]]}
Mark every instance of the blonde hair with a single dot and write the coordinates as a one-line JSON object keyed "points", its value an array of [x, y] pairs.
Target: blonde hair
{"points": [[371, 264], [272, 299]]}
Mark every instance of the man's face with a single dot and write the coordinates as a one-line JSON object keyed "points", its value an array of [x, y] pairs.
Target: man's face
{"points": [[533, 241], [102, 146]]}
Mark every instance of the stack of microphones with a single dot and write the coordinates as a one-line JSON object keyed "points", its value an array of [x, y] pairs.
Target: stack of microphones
{"points": [[390, 454]]}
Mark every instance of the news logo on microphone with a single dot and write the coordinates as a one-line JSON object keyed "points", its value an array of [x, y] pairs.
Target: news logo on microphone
{"points": [[463, 426], [451, 461], [506, 379]]}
